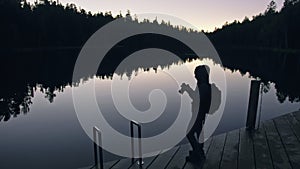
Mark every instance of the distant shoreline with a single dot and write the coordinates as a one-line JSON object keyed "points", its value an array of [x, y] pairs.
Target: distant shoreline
{"points": [[221, 48]]}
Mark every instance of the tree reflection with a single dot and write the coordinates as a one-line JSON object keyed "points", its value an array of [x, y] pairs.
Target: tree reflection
{"points": [[17, 91]]}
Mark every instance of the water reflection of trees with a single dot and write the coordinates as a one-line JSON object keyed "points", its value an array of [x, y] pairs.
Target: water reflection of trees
{"points": [[14, 104], [281, 68], [38, 70]]}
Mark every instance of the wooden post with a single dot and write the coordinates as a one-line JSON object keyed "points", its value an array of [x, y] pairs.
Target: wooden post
{"points": [[252, 105]]}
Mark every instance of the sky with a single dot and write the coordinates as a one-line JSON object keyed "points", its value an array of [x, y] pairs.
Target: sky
{"points": [[203, 14]]}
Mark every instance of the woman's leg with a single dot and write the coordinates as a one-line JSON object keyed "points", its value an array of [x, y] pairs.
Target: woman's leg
{"points": [[192, 139]]}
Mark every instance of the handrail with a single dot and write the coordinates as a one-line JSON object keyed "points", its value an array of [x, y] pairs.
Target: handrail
{"points": [[140, 159], [96, 132]]}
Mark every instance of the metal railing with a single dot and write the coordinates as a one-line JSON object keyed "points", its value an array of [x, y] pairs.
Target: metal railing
{"points": [[140, 159], [97, 132]]}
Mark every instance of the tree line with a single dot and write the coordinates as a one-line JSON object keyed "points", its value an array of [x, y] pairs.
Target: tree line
{"points": [[272, 29], [48, 23]]}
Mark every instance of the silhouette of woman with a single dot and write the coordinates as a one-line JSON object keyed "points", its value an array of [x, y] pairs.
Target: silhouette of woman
{"points": [[199, 110]]}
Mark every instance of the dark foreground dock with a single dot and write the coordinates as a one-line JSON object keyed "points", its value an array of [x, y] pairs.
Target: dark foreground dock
{"points": [[276, 144]]}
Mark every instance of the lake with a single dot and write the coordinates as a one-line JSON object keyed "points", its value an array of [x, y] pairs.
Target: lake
{"points": [[47, 134]]}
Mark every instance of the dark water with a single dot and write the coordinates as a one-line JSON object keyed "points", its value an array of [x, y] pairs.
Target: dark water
{"points": [[50, 135]]}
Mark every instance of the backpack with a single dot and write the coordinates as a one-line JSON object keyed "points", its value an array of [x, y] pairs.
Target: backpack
{"points": [[215, 99]]}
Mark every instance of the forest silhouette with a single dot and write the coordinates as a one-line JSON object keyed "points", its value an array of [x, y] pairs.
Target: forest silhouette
{"points": [[51, 24], [276, 30], [40, 43]]}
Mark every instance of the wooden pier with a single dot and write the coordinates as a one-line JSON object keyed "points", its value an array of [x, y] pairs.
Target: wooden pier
{"points": [[275, 145]]}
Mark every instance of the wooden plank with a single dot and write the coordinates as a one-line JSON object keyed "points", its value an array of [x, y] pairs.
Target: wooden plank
{"points": [[297, 115], [262, 154], [178, 160], [163, 159], [214, 155], [230, 154], [191, 166], [106, 165], [290, 141], [88, 167], [278, 154], [294, 124], [207, 144], [160, 162], [110, 164], [246, 154], [206, 147], [123, 164], [147, 161]]}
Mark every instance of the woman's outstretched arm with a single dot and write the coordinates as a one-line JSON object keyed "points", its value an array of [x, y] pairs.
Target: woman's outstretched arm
{"points": [[189, 90]]}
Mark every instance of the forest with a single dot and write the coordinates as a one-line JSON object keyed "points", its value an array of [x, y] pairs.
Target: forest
{"points": [[48, 23], [272, 29]]}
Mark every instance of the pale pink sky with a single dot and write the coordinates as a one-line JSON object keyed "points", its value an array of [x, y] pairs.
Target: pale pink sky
{"points": [[203, 14]]}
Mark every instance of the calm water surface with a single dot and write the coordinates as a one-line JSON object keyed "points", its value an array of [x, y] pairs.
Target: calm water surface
{"points": [[50, 136]]}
